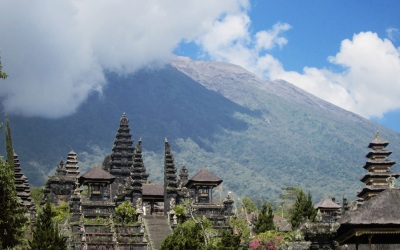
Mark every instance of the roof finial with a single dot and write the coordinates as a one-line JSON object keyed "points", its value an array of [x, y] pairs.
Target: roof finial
{"points": [[377, 134]]}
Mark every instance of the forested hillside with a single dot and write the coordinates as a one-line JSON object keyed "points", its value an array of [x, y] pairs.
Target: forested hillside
{"points": [[256, 135]]}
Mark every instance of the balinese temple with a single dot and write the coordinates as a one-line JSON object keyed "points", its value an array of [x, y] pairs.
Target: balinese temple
{"points": [[378, 167], [201, 187], [98, 202], [153, 198], [329, 210], [203, 183], [121, 160], [138, 175], [71, 166], [375, 224], [95, 195], [22, 186], [60, 186], [170, 179], [93, 225]]}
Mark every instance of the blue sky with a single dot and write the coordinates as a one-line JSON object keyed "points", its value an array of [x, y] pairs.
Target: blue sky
{"points": [[345, 52]]}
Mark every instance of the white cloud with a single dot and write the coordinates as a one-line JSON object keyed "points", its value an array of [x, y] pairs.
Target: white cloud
{"points": [[370, 82], [229, 40], [55, 52], [392, 33], [368, 85]]}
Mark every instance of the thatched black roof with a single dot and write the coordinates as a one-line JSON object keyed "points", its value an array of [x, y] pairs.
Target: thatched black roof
{"points": [[97, 173], [153, 190], [380, 209], [378, 217], [204, 177]]}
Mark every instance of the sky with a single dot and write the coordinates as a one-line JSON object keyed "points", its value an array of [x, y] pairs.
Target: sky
{"points": [[345, 52]]}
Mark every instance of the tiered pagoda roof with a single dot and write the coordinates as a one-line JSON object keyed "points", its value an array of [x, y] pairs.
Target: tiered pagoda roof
{"points": [[123, 151], [22, 184], [183, 176], [378, 167], [138, 175], [71, 166], [170, 177], [65, 172]]}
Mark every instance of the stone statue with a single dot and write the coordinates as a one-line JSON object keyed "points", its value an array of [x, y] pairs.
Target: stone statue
{"points": [[391, 181], [172, 204], [139, 204]]}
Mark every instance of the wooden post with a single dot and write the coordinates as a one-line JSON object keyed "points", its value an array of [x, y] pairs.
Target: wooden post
{"points": [[369, 242]]}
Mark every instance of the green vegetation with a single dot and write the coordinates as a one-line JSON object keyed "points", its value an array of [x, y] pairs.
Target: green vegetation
{"points": [[201, 235], [241, 226], [180, 212], [245, 232], [186, 236], [3, 75], [248, 205], [125, 213], [265, 219], [9, 145], [46, 234], [37, 195], [12, 216], [303, 209], [60, 213], [96, 221]]}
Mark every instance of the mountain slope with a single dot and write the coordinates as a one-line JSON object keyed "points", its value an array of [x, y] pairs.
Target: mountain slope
{"points": [[256, 135]]}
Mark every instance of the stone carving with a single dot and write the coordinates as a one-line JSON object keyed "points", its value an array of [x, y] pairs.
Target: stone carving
{"points": [[172, 204], [391, 181]]}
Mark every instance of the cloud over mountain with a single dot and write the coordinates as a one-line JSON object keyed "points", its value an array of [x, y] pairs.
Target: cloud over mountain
{"points": [[55, 52]]}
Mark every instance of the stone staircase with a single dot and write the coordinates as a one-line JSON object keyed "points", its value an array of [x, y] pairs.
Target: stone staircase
{"points": [[157, 229]]}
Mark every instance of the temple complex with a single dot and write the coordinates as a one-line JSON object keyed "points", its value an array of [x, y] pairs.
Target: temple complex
{"points": [[94, 197], [121, 159], [60, 186], [375, 222], [98, 202], [330, 210], [378, 167]]}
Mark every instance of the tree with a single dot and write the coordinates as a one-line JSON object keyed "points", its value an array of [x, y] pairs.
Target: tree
{"points": [[12, 216], [3, 75], [125, 212], [241, 226], [265, 220], [188, 235], [9, 146], [229, 241], [303, 209], [248, 205], [45, 234], [37, 194]]}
